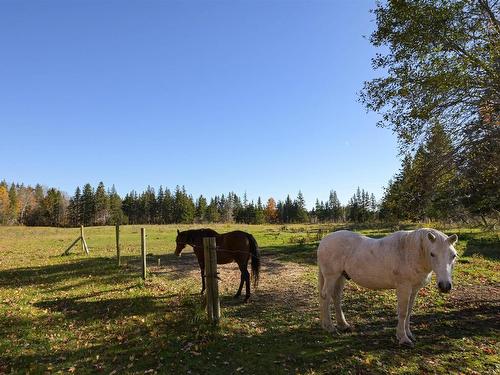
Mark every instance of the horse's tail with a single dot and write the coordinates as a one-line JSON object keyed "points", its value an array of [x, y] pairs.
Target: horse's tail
{"points": [[254, 251]]}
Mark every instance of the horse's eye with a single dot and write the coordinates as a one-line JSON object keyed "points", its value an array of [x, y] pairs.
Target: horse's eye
{"points": [[453, 256], [432, 255]]}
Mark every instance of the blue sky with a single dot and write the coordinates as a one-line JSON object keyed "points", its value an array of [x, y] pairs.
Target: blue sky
{"points": [[255, 96]]}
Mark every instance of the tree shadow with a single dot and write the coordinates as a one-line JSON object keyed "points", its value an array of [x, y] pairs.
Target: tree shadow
{"points": [[87, 308], [301, 254], [59, 273], [485, 247], [185, 342]]}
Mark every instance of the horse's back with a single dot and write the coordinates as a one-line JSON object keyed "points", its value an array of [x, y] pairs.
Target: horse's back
{"points": [[235, 236], [372, 263], [341, 240], [234, 246]]}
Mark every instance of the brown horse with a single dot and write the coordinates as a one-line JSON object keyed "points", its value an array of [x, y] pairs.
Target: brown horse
{"points": [[236, 246]]}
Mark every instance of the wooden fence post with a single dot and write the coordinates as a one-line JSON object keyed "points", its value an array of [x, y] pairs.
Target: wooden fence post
{"points": [[84, 243], [81, 238], [213, 303], [143, 252], [117, 231]]}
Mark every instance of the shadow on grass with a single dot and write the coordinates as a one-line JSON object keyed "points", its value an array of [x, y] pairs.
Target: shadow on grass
{"points": [[287, 337], [59, 273], [87, 307], [288, 342], [486, 247], [302, 254]]}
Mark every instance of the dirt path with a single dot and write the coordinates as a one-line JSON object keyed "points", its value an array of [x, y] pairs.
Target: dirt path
{"points": [[280, 282]]}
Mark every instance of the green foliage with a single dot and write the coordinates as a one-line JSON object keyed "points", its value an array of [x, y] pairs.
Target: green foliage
{"points": [[116, 215], [441, 66], [361, 207], [184, 208], [425, 189], [201, 209], [101, 205], [88, 205]]}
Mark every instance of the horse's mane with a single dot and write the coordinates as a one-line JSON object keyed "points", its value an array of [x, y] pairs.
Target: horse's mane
{"points": [[414, 241]]}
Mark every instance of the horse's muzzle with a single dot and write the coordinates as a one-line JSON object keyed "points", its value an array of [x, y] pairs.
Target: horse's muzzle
{"points": [[444, 286]]}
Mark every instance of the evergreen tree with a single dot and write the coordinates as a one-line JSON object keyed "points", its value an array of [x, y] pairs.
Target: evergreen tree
{"points": [[423, 189], [116, 215], [148, 206], [101, 205], [301, 210], [259, 212], [168, 207], [13, 205], [479, 183], [212, 213], [201, 209], [287, 210], [75, 208], [160, 206], [318, 210], [226, 210], [88, 205], [54, 208], [335, 208], [130, 207], [184, 208]]}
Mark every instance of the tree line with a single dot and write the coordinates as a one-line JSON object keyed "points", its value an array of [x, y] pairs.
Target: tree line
{"points": [[425, 189], [40, 206]]}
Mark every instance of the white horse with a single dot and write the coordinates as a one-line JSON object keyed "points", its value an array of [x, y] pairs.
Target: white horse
{"points": [[403, 261]]}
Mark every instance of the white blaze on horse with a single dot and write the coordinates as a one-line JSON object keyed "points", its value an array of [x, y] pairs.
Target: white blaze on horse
{"points": [[403, 261]]}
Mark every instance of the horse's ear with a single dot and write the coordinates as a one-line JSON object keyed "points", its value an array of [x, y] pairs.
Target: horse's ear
{"points": [[431, 236], [178, 231], [453, 239]]}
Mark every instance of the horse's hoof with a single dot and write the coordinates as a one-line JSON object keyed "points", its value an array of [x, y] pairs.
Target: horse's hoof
{"points": [[246, 299], [406, 342], [236, 296], [346, 328], [329, 328]]}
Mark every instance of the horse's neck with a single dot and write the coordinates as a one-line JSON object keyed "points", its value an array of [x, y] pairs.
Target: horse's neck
{"points": [[197, 244], [416, 254]]}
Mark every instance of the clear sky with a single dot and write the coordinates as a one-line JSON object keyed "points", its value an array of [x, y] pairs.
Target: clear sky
{"points": [[255, 96]]}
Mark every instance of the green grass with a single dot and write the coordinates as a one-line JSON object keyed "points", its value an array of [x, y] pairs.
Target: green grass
{"points": [[83, 314]]}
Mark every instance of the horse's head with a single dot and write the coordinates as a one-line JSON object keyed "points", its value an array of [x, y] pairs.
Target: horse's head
{"points": [[442, 256], [181, 241]]}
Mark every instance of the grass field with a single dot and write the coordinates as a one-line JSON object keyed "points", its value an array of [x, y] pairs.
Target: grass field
{"points": [[84, 314]]}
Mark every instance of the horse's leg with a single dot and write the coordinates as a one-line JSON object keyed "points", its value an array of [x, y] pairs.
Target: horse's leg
{"points": [[247, 284], [202, 270], [403, 293], [243, 270], [337, 303], [411, 302], [326, 288], [242, 280]]}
